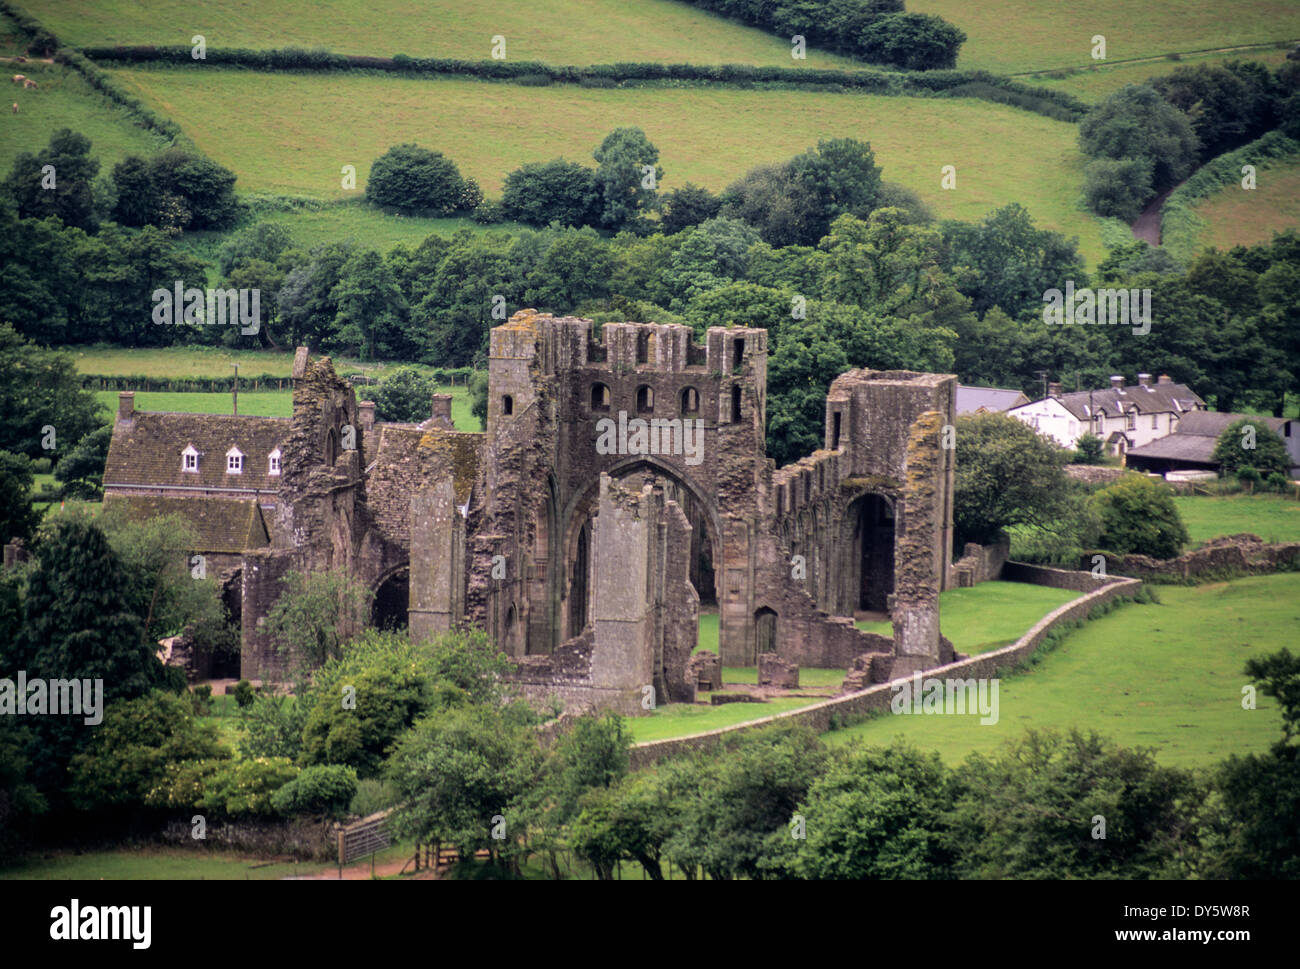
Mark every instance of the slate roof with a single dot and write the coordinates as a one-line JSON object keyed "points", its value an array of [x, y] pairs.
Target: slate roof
{"points": [[1213, 423], [1178, 447], [228, 525], [971, 399], [1169, 398], [146, 450]]}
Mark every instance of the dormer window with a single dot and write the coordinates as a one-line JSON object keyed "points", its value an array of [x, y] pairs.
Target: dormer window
{"points": [[273, 462], [190, 459], [234, 461]]}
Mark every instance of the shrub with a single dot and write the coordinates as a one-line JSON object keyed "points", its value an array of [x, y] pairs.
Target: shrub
{"points": [[488, 212], [416, 179], [1250, 442], [554, 191], [244, 695], [915, 41], [1089, 449], [1137, 515], [1118, 187], [372, 795], [326, 790], [404, 396], [41, 466], [201, 700]]}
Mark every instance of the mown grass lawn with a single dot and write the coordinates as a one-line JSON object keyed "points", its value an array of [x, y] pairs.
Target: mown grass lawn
{"points": [[1164, 676], [1271, 517], [291, 133], [181, 362], [554, 31], [154, 863], [263, 403], [989, 615], [682, 719], [355, 221], [1007, 36]]}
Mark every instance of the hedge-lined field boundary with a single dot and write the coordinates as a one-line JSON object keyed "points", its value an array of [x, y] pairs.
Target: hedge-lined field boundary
{"points": [[1180, 226], [977, 84], [70, 57]]}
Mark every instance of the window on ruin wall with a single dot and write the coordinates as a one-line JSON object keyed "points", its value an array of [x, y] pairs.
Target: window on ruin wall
{"points": [[645, 399], [643, 347], [507, 405], [735, 402], [690, 401], [599, 397]]}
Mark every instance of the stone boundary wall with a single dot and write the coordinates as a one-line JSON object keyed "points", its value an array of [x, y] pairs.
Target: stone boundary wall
{"points": [[1053, 577], [986, 665], [980, 563], [1242, 554]]}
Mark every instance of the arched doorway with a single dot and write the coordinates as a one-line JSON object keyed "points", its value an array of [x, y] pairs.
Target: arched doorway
{"points": [[704, 559], [392, 602], [872, 516]]}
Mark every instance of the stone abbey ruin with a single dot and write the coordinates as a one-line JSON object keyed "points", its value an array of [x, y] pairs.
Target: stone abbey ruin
{"points": [[621, 484]]}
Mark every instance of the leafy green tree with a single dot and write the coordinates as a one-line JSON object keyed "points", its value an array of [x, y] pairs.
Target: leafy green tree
{"points": [[554, 191], [316, 614], [1034, 809], [798, 376], [1136, 122], [20, 801], [1089, 449], [359, 723], [843, 177], [478, 395], [457, 312], [165, 591], [576, 267], [405, 395], [264, 242], [628, 192], [593, 754], [307, 300], [1118, 187], [1007, 474], [1251, 442], [743, 799], [175, 189], [82, 471], [18, 519], [372, 312], [1227, 105], [41, 389], [687, 206], [130, 754], [631, 820], [415, 179], [462, 773], [1138, 515], [67, 193], [876, 813], [913, 41], [1005, 260]]}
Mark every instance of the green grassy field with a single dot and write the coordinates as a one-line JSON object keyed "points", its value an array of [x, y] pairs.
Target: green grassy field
{"points": [[1094, 83], [151, 863], [182, 362], [1271, 517], [1235, 216], [292, 133], [1008, 36], [64, 100], [555, 31], [263, 403], [681, 719], [366, 225], [989, 615], [1164, 676]]}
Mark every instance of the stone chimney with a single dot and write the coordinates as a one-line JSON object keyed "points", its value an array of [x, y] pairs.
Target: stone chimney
{"points": [[1117, 384], [1164, 379], [441, 412], [1144, 380], [126, 405], [366, 411], [1054, 389]]}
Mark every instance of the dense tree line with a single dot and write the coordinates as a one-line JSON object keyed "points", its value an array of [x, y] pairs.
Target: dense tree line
{"points": [[1146, 138], [878, 31]]}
